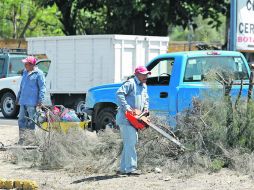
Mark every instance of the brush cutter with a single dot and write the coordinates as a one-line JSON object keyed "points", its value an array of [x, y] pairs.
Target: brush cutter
{"points": [[139, 120]]}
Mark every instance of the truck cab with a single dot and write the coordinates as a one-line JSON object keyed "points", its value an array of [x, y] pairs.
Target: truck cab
{"points": [[176, 78], [11, 68]]}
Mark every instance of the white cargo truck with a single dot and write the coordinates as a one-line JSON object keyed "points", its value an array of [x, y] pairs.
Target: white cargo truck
{"points": [[81, 62]]}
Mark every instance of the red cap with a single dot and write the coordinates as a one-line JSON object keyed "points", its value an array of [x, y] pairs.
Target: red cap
{"points": [[30, 59], [142, 70]]}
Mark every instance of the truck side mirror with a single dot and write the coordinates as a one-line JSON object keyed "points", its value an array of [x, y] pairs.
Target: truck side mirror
{"points": [[20, 72]]}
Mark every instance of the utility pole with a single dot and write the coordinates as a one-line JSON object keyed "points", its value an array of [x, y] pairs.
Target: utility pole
{"points": [[232, 30], [190, 34]]}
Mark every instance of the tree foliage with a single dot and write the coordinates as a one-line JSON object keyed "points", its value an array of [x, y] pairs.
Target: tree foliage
{"points": [[151, 17], [79, 16], [141, 17], [203, 32], [19, 18]]}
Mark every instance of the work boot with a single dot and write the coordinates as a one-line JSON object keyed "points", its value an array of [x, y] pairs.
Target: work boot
{"points": [[26, 137], [121, 174], [30, 138], [21, 136], [134, 173]]}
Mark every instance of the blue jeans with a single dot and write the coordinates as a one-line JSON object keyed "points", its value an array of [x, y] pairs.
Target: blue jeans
{"points": [[129, 155], [26, 111]]}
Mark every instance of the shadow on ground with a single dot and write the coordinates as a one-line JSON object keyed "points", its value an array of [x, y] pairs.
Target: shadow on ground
{"points": [[97, 178]]}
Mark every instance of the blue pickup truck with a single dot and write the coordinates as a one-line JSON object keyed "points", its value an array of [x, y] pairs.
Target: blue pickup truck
{"points": [[176, 78]]}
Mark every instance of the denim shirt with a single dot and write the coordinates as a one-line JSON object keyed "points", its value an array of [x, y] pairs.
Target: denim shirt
{"points": [[32, 88], [132, 94]]}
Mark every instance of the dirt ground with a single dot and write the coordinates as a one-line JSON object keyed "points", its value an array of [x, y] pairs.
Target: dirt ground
{"points": [[61, 179]]}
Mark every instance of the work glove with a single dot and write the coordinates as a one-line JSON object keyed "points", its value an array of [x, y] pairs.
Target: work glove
{"points": [[146, 111], [131, 111]]}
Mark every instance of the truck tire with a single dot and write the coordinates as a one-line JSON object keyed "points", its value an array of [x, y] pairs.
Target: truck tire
{"points": [[8, 106], [106, 116], [79, 105]]}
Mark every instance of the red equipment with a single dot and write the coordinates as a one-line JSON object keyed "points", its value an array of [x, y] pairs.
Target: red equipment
{"points": [[136, 120], [140, 121]]}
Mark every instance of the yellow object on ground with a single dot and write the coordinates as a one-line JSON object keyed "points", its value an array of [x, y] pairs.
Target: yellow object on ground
{"points": [[64, 126], [2, 182], [18, 184], [29, 184], [9, 184]]}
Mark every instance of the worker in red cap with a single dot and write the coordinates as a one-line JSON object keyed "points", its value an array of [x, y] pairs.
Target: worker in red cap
{"points": [[31, 94], [130, 96]]}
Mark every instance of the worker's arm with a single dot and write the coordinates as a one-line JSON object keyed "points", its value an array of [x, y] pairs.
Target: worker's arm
{"points": [[146, 101], [121, 93], [42, 89], [20, 88]]}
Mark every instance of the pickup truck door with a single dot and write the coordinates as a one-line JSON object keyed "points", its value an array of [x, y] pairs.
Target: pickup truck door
{"points": [[3, 68], [44, 65], [158, 85]]}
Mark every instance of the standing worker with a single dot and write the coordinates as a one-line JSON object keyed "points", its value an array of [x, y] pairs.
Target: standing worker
{"points": [[130, 96], [31, 94]]}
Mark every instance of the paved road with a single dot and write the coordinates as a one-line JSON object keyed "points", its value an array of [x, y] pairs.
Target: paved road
{"points": [[8, 130], [3, 121]]}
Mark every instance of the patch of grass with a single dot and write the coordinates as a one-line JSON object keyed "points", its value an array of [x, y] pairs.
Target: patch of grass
{"points": [[216, 165]]}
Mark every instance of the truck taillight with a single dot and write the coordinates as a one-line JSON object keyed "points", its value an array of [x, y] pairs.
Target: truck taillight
{"points": [[213, 53]]}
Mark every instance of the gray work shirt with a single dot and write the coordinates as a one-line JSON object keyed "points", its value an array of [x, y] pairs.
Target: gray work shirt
{"points": [[133, 95]]}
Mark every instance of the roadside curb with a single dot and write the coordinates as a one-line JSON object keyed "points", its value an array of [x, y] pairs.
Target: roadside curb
{"points": [[8, 125]]}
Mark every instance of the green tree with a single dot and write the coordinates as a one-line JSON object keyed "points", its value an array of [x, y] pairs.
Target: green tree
{"points": [[19, 18], [151, 17], [79, 16], [203, 32], [142, 17]]}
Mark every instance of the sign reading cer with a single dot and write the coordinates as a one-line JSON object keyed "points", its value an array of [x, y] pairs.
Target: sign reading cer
{"points": [[245, 25]]}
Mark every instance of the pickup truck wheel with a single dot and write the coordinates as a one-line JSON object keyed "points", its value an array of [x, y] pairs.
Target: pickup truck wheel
{"points": [[106, 116], [8, 106]]}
